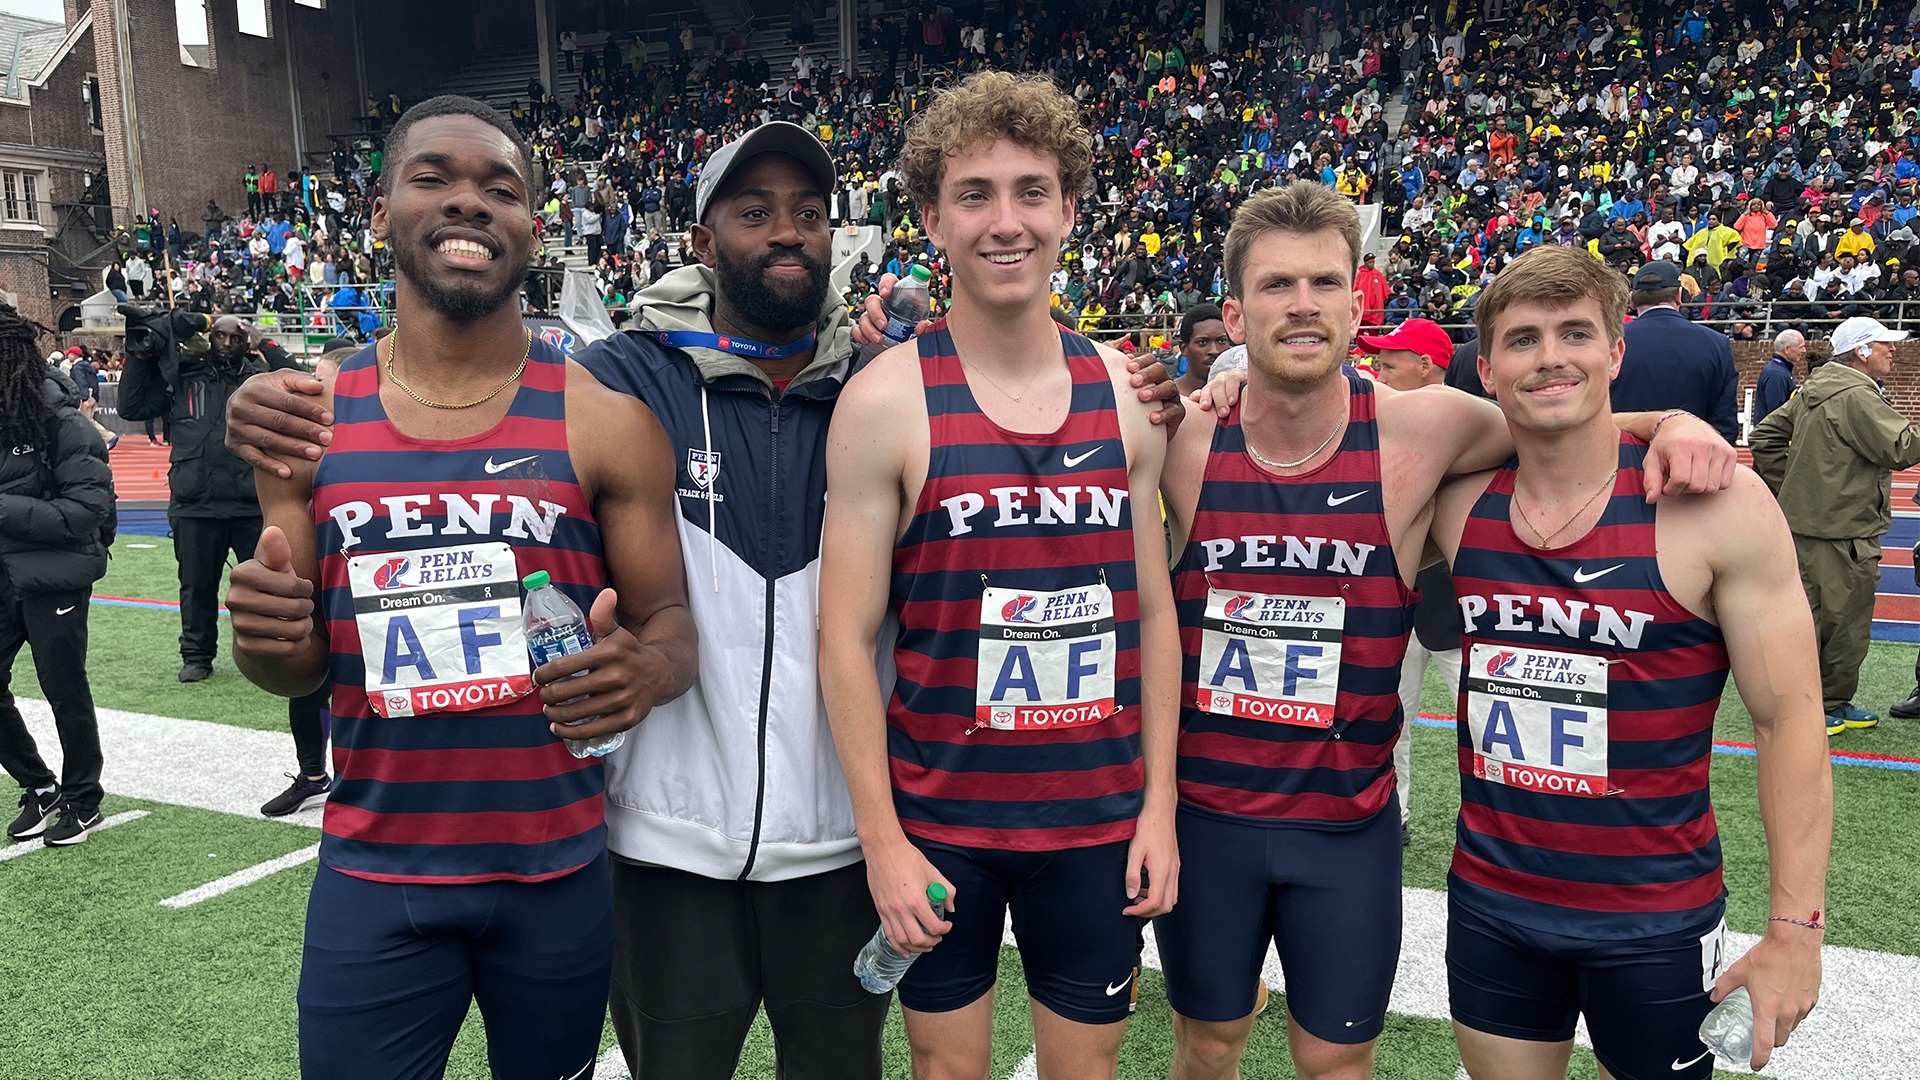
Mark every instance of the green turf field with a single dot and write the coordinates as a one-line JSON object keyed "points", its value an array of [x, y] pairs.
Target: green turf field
{"points": [[107, 983]]}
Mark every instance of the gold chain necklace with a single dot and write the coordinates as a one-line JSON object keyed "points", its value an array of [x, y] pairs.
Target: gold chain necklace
{"points": [[393, 350], [1020, 397], [1311, 454], [1546, 539]]}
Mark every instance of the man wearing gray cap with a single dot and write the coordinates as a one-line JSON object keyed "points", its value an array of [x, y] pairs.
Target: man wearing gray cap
{"points": [[1829, 455], [1671, 362]]}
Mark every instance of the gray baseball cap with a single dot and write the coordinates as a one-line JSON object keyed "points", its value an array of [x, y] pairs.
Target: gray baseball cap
{"points": [[777, 136]]}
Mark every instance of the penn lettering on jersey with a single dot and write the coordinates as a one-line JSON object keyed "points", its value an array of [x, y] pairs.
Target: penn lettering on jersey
{"points": [[446, 769], [1293, 622], [1015, 721], [1587, 702]]}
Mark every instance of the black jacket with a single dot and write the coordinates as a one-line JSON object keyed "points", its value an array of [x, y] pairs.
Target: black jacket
{"points": [[207, 480], [53, 501]]}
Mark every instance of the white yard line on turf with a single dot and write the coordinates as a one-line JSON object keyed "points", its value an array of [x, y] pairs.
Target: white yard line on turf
{"points": [[184, 762], [612, 1066], [36, 844], [240, 878], [1868, 1001]]}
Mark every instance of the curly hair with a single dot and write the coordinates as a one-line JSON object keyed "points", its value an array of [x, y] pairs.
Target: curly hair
{"points": [[1027, 109]]}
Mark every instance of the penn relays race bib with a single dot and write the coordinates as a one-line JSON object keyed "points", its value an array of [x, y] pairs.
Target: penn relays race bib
{"points": [[1272, 658], [1538, 719], [1046, 658], [440, 629]]}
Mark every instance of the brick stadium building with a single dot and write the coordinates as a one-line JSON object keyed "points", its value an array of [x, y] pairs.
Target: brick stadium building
{"points": [[110, 113]]}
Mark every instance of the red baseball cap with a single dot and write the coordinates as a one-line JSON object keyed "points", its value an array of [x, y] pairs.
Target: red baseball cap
{"points": [[1423, 336]]}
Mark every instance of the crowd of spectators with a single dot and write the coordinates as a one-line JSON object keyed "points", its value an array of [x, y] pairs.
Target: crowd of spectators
{"points": [[1772, 151]]}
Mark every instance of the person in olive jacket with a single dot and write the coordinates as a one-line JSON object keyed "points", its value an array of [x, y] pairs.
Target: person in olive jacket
{"points": [[56, 510], [1829, 455]]}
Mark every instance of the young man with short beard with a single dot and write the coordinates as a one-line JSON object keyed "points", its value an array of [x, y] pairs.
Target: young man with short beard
{"points": [[991, 495], [463, 851], [1300, 517]]}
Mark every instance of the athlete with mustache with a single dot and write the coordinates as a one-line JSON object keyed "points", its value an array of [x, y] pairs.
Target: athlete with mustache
{"points": [[1599, 633]]}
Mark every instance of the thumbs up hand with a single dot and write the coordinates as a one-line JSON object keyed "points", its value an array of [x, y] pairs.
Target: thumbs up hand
{"points": [[271, 604], [617, 679]]}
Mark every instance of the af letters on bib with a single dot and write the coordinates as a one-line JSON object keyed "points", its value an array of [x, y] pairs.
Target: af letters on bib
{"points": [[1538, 719], [1272, 658], [440, 629], [1046, 659]]}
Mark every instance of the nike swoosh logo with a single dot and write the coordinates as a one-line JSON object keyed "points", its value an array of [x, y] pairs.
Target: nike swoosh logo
{"points": [[1112, 989], [1678, 1064], [1336, 500], [505, 465], [1581, 577], [62, 611], [1074, 461]]}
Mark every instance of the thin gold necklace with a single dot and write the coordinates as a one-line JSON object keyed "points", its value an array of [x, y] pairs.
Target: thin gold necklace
{"points": [[393, 350], [1020, 397], [1311, 454], [1546, 539]]}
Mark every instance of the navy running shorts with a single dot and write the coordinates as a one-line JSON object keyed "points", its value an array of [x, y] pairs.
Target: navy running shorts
{"points": [[1643, 998], [1076, 947], [1329, 901], [388, 972]]}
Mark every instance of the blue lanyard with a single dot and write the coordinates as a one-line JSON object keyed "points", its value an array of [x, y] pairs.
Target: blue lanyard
{"points": [[684, 339]]}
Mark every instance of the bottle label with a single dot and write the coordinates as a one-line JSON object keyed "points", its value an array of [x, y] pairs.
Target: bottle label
{"points": [[558, 640], [440, 629], [899, 329]]}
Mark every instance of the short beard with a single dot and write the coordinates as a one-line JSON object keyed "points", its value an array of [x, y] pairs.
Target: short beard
{"points": [[744, 284], [460, 304]]}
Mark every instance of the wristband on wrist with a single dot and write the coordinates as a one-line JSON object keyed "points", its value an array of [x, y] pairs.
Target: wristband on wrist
{"points": [[1664, 417], [1814, 923]]}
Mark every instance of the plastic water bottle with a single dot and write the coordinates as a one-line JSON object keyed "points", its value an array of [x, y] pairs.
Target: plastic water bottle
{"points": [[1728, 1029], [879, 967], [555, 628], [910, 301]]}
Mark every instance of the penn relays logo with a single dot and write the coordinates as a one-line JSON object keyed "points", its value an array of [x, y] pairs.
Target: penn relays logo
{"points": [[559, 337], [390, 572], [1500, 665], [1238, 607], [1018, 608]]}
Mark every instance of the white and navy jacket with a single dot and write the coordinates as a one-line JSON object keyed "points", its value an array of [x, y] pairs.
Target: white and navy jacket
{"points": [[737, 778]]}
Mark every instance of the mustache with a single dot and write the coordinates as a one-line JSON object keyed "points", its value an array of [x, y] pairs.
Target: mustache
{"points": [[765, 262], [1558, 374]]}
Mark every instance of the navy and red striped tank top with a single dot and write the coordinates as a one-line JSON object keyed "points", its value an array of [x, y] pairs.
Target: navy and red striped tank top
{"points": [[443, 773], [1015, 717], [1293, 622], [1587, 696]]}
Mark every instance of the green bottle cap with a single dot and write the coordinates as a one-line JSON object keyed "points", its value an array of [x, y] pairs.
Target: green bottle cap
{"points": [[537, 579], [921, 274], [937, 893]]}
